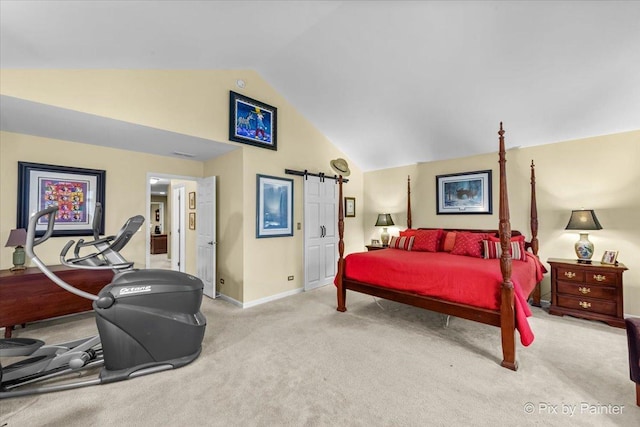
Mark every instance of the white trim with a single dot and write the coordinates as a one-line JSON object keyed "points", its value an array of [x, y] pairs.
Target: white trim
{"points": [[261, 300]]}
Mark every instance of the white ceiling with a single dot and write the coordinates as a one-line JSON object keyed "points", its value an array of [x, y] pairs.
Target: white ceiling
{"points": [[389, 82]]}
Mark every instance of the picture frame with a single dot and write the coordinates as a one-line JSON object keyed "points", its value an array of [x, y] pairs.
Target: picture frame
{"points": [[274, 206], [464, 193], [350, 207], [252, 122], [75, 190], [192, 220], [610, 257], [192, 200]]}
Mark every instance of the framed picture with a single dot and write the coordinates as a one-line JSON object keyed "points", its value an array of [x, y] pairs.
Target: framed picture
{"points": [[349, 206], [274, 206], [192, 220], [192, 200], [75, 190], [464, 193], [609, 257], [252, 122]]}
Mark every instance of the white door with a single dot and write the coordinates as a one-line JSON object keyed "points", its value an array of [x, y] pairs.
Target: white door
{"points": [[320, 236], [177, 226], [206, 230]]}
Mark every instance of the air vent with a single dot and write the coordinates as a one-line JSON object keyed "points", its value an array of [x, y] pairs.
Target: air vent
{"points": [[183, 154]]}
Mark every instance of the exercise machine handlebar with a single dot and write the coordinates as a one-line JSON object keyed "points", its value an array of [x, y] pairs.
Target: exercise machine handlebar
{"points": [[32, 241]]}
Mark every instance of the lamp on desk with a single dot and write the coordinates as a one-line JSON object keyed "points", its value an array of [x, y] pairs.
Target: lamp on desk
{"points": [[17, 239], [583, 220], [384, 220]]}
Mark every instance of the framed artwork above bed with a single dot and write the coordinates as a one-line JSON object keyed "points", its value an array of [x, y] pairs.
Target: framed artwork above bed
{"points": [[464, 193]]}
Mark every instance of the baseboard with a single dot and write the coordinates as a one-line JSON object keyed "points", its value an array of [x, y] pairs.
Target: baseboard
{"points": [[261, 300]]}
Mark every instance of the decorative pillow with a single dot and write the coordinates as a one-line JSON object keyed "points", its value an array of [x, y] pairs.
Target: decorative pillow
{"points": [[492, 248], [408, 232], [427, 240], [469, 244], [447, 240], [402, 242]]}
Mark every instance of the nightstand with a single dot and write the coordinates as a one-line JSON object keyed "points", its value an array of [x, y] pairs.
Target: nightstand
{"points": [[375, 247], [590, 291]]}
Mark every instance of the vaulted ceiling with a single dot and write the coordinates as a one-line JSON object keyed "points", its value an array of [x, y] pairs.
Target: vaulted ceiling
{"points": [[389, 82]]}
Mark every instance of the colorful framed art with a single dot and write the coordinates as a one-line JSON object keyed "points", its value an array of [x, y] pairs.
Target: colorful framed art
{"points": [[252, 122], [75, 190]]}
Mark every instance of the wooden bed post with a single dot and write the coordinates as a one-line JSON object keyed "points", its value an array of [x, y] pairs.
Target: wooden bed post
{"points": [[342, 291], [408, 201], [507, 313], [533, 217]]}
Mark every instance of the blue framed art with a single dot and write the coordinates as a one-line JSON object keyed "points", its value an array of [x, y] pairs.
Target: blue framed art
{"points": [[274, 206], [252, 122], [464, 193]]}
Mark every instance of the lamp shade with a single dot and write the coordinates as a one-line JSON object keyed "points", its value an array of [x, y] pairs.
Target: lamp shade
{"points": [[384, 220], [584, 219], [17, 237]]}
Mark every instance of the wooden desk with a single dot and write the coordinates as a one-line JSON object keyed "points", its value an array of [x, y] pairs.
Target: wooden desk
{"points": [[29, 295]]}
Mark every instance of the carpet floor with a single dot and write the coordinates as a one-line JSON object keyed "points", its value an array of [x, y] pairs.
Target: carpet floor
{"points": [[299, 362]]}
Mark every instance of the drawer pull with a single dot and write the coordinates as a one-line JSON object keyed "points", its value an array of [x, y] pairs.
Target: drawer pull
{"points": [[583, 290], [570, 274], [584, 304], [599, 277]]}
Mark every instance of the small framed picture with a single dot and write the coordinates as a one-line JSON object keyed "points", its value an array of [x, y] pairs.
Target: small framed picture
{"points": [[192, 220], [349, 206], [192, 200], [609, 257]]}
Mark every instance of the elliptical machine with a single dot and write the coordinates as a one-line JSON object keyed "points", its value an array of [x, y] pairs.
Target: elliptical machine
{"points": [[148, 321]]}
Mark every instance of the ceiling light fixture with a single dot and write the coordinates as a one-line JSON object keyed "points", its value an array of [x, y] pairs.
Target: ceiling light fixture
{"points": [[153, 181]]}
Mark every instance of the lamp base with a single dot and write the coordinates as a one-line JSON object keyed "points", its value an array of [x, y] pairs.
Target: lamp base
{"points": [[584, 249], [18, 268]]}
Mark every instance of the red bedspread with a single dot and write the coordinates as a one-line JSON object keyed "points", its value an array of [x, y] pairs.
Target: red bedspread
{"points": [[455, 278]]}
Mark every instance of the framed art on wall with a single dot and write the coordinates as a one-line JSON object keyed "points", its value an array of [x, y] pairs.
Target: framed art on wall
{"points": [[192, 200], [74, 190], [192, 220], [274, 206], [252, 122], [349, 206], [464, 193]]}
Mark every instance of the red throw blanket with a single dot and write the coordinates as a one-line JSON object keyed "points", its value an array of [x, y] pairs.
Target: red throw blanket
{"points": [[456, 278]]}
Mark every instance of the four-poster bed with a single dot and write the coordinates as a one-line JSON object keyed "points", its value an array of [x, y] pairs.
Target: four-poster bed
{"points": [[504, 304]]}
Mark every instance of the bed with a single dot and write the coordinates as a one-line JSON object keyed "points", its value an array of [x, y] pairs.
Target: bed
{"points": [[491, 291]]}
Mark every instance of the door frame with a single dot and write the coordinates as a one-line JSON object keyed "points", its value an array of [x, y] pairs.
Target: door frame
{"points": [[147, 214]]}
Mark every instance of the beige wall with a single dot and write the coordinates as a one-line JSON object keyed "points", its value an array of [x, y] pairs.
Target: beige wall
{"points": [[196, 103], [599, 173], [126, 185]]}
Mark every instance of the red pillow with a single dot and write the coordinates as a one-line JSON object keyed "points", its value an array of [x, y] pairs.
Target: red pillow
{"points": [[427, 240], [408, 232], [447, 240], [402, 242], [469, 244], [492, 248]]}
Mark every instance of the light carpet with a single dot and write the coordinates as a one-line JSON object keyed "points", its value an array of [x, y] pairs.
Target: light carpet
{"points": [[299, 362]]}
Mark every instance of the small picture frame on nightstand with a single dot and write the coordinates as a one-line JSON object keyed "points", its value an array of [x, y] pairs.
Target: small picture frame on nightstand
{"points": [[609, 257]]}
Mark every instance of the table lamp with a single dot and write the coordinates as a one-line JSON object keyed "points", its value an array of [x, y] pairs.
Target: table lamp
{"points": [[17, 239], [384, 220], [583, 220]]}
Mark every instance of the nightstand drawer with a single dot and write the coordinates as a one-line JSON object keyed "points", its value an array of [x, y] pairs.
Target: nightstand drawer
{"points": [[587, 290], [601, 278], [572, 274], [587, 304]]}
